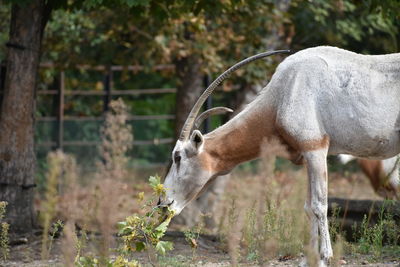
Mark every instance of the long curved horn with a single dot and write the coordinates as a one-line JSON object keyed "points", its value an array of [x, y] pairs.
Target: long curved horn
{"points": [[196, 108], [208, 113]]}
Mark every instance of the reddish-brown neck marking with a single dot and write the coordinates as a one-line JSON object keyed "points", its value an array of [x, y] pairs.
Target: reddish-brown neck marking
{"points": [[237, 141], [241, 140]]}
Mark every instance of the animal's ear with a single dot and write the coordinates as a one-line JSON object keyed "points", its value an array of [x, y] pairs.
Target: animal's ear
{"points": [[196, 139]]}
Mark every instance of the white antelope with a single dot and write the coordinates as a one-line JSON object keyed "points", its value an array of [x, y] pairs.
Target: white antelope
{"points": [[320, 101]]}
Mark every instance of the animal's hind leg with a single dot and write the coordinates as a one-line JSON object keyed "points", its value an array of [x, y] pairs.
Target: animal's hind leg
{"points": [[318, 199]]}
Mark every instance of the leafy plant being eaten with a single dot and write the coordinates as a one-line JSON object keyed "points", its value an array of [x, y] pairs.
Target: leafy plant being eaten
{"points": [[140, 232]]}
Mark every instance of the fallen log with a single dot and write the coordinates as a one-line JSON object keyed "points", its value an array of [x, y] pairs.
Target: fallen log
{"points": [[356, 209], [351, 213]]}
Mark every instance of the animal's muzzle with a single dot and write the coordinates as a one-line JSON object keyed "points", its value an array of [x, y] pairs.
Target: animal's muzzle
{"points": [[161, 204]]}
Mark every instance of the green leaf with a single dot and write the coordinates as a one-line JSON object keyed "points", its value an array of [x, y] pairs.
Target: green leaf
{"points": [[140, 246], [121, 225], [125, 231], [154, 181], [162, 227], [132, 3], [163, 246]]}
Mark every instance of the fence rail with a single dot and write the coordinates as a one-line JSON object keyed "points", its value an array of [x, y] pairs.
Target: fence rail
{"points": [[134, 92], [156, 141], [101, 118], [133, 68]]}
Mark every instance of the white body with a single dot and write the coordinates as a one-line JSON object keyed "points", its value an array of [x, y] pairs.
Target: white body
{"points": [[320, 100], [354, 99]]}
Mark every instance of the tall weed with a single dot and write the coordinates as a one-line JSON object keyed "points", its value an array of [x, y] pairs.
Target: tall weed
{"points": [[4, 226], [380, 238], [271, 219], [49, 204]]}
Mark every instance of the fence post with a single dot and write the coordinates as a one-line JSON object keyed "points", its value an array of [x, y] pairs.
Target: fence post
{"points": [[207, 122], [61, 111], [107, 88]]}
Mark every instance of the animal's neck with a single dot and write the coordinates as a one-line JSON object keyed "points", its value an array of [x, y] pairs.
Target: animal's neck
{"points": [[240, 139]]}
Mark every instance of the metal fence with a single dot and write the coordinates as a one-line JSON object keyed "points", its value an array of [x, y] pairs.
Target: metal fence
{"points": [[59, 93]]}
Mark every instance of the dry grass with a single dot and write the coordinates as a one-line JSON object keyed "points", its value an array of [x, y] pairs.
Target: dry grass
{"points": [[265, 212], [263, 217], [94, 207], [48, 211], [4, 239]]}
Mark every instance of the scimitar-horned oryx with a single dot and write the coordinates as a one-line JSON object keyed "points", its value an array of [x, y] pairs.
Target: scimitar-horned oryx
{"points": [[320, 101]]}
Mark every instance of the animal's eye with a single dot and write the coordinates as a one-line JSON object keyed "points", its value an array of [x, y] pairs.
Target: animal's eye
{"points": [[177, 158]]}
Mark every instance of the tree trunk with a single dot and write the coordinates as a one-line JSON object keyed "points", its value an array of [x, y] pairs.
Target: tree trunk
{"points": [[189, 88], [17, 156]]}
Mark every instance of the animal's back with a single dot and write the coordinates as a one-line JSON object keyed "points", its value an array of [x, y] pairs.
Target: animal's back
{"points": [[353, 99]]}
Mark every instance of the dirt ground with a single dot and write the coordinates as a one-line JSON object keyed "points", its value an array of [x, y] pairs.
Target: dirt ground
{"points": [[210, 251]]}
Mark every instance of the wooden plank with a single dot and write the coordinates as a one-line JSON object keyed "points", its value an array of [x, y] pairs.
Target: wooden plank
{"points": [[101, 118], [149, 91], [134, 92], [357, 208], [352, 213], [156, 141], [48, 92], [113, 68], [46, 144], [61, 111]]}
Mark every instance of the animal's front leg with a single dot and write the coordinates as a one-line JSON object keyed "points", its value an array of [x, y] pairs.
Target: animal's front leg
{"points": [[314, 222], [318, 185]]}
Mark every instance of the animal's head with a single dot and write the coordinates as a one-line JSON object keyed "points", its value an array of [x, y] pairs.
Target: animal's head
{"points": [[189, 171], [191, 168]]}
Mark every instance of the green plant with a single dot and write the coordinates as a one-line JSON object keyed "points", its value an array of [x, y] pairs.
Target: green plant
{"points": [[169, 261], [137, 233], [4, 240], [55, 161], [270, 214], [81, 243], [232, 233], [379, 239], [57, 227], [250, 233], [192, 235], [91, 261], [142, 232], [334, 224]]}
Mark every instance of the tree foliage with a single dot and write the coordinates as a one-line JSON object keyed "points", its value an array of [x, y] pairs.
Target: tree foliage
{"points": [[370, 27]]}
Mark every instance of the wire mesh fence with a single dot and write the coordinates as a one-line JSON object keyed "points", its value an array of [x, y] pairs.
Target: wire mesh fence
{"points": [[71, 104]]}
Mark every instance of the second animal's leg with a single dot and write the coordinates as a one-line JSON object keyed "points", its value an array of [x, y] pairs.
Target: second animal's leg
{"points": [[391, 183], [318, 200]]}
